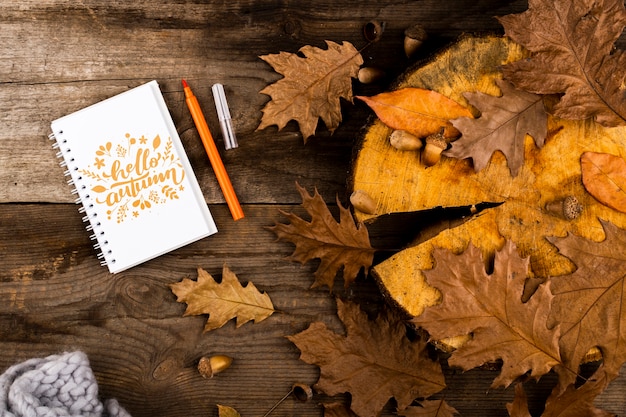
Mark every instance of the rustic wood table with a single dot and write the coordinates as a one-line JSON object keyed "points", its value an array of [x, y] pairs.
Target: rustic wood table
{"points": [[59, 56]]}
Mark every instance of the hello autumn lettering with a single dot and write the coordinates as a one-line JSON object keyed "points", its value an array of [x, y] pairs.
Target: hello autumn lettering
{"points": [[128, 177]]}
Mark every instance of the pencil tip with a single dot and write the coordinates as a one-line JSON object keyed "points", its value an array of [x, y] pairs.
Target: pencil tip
{"points": [[185, 85]]}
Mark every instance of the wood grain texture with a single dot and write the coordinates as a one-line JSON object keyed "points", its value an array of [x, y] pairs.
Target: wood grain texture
{"points": [[59, 56]]}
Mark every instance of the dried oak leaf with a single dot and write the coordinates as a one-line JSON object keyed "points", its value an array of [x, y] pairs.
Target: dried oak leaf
{"points": [[430, 408], [418, 111], [490, 308], [519, 406], [573, 402], [572, 54], [588, 304], [338, 245], [374, 361], [578, 401], [604, 177], [312, 86], [222, 301], [337, 409], [502, 126]]}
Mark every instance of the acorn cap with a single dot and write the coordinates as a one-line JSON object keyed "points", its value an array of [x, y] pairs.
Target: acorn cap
{"points": [[568, 208], [302, 392], [435, 144], [572, 208], [373, 30], [437, 140]]}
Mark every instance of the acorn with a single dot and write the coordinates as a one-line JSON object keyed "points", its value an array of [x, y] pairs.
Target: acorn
{"points": [[435, 144], [213, 365], [414, 37], [362, 202], [568, 208], [405, 141], [368, 75]]}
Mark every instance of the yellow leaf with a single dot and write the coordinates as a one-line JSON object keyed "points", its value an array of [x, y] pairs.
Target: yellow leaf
{"points": [[99, 189], [156, 142], [222, 301], [225, 411], [418, 111], [604, 176]]}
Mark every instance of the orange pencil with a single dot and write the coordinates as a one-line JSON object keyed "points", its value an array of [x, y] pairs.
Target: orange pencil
{"points": [[212, 152]]}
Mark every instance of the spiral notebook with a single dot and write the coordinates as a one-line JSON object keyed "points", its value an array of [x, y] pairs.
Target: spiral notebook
{"points": [[129, 170]]}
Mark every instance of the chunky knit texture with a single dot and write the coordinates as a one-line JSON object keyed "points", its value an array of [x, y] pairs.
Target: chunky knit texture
{"points": [[56, 386]]}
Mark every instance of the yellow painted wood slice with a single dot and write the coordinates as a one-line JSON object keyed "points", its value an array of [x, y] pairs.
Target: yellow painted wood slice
{"points": [[398, 181]]}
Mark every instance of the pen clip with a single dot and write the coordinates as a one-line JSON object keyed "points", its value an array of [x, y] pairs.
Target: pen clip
{"points": [[223, 114]]}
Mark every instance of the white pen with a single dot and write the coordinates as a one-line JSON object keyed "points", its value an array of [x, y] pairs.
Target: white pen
{"points": [[223, 114]]}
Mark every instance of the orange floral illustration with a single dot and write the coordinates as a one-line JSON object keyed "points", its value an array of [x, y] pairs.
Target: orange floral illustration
{"points": [[140, 174]]}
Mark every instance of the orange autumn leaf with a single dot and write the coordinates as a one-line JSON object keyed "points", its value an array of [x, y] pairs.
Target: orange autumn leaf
{"points": [[604, 177], [418, 111]]}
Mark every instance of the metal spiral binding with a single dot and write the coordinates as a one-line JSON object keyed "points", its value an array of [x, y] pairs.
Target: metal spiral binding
{"points": [[104, 254]]}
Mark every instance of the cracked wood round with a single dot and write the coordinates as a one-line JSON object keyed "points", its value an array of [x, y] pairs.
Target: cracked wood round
{"points": [[398, 181]]}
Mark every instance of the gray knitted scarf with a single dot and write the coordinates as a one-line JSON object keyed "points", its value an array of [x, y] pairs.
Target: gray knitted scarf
{"points": [[56, 386]]}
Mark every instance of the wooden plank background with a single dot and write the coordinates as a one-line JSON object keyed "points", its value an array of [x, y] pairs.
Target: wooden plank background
{"points": [[59, 56]]}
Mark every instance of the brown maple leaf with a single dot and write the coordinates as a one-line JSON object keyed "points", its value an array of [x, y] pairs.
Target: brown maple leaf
{"points": [[312, 86], [604, 177], [222, 301], [418, 111], [338, 245], [374, 361], [572, 55], [490, 308], [502, 126], [588, 304], [430, 408]]}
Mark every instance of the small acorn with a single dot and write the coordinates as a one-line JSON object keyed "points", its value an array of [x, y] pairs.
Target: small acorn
{"points": [[568, 208], [435, 144], [213, 365], [368, 75], [362, 202], [414, 37], [405, 141]]}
